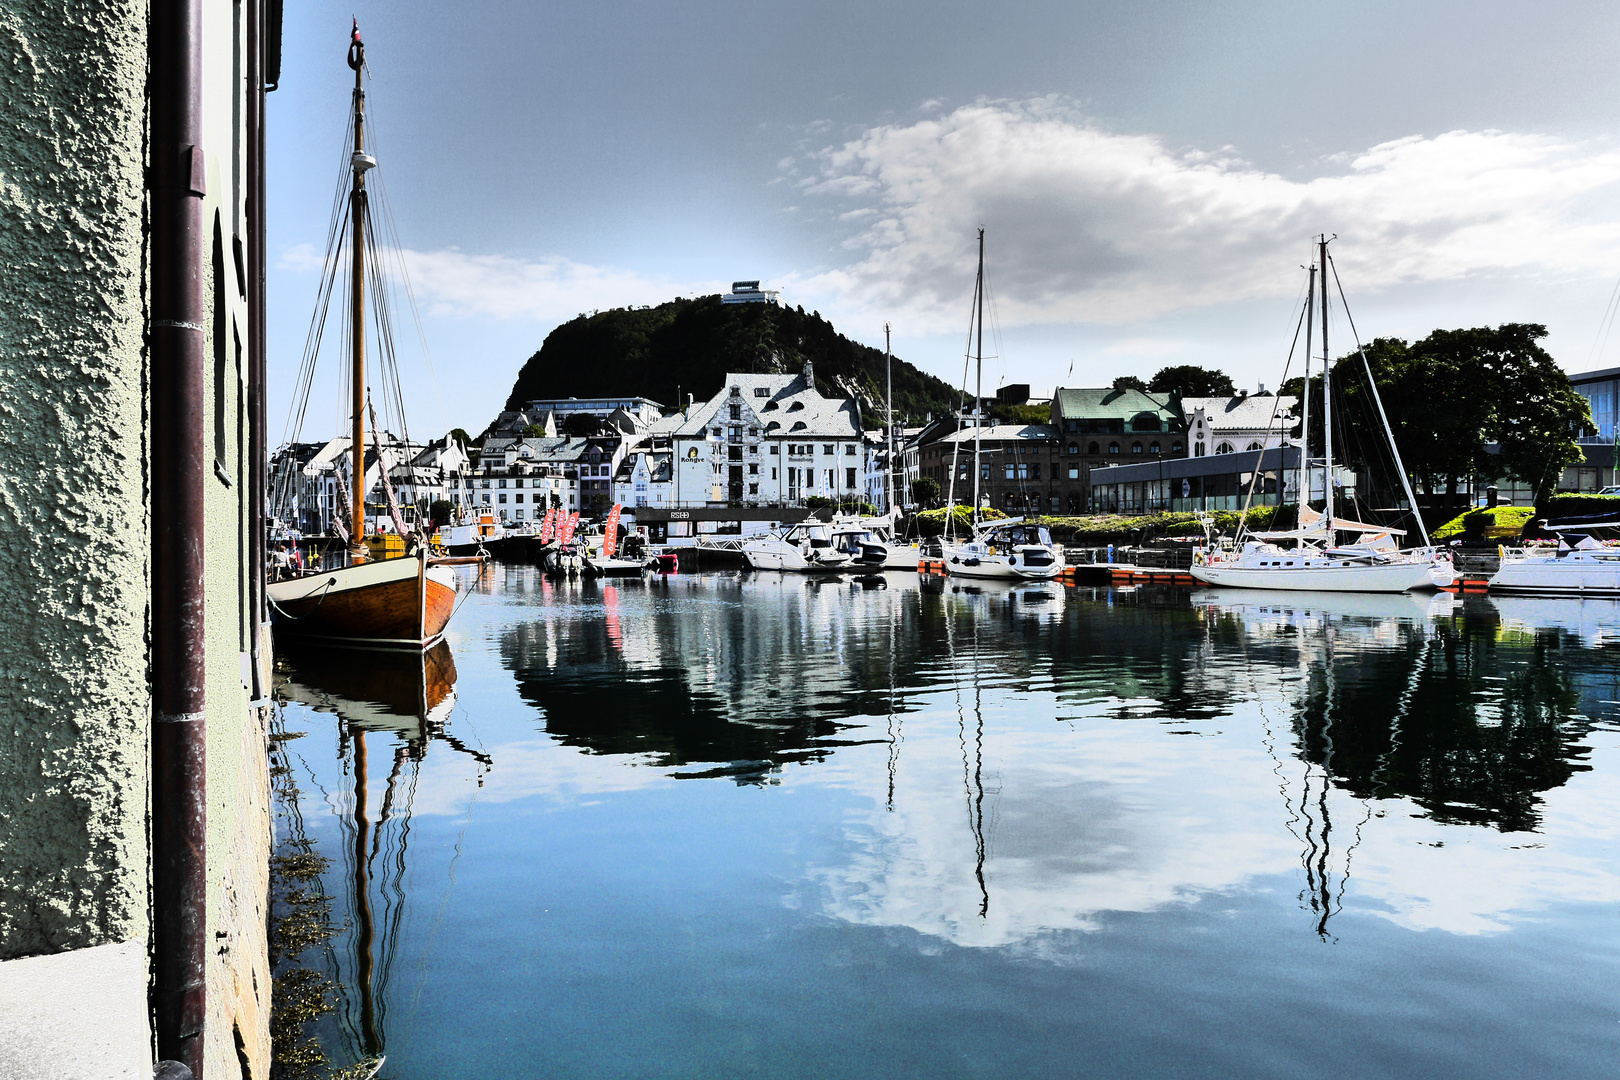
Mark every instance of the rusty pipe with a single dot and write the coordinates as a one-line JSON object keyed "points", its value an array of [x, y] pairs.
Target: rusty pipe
{"points": [[176, 184]]}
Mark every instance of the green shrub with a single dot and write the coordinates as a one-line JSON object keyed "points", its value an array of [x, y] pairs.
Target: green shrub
{"points": [[1572, 504], [1498, 523]]}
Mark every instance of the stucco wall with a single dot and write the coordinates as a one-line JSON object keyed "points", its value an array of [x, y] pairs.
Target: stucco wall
{"points": [[73, 562]]}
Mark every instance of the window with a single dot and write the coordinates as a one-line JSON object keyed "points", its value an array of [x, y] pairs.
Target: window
{"points": [[1034, 470], [1094, 449], [501, 483], [1136, 448], [760, 391], [503, 498], [849, 449], [753, 470], [1224, 448], [517, 498], [715, 432], [735, 411], [849, 479], [776, 448], [736, 433], [486, 499], [518, 482], [1074, 448], [1113, 448], [753, 449], [1074, 472], [1176, 447], [1010, 472], [1153, 448], [796, 406], [1254, 446], [753, 433], [1198, 449], [826, 449], [773, 474], [753, 489], [734, 453]]}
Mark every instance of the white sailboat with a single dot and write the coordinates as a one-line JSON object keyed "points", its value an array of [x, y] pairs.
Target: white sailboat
{"points": [[1007, 549], [1587, 569], [1315, 562]]}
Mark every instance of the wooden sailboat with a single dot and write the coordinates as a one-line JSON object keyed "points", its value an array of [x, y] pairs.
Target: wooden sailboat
{"points": [[401, 602]]}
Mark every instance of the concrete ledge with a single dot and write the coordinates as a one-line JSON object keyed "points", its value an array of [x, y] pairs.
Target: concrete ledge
{"points": [[77, 1015]]}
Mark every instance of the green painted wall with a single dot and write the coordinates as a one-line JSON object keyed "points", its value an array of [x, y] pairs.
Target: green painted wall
{"points": [[74, 703]]}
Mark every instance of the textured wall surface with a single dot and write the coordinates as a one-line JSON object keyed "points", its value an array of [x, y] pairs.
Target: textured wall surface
{"points": [[73, 693]]}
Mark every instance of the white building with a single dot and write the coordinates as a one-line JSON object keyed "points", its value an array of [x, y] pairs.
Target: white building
{"points": [[1226, 425], [749, 292], [768, 440], [645, 479], [309, 482]]}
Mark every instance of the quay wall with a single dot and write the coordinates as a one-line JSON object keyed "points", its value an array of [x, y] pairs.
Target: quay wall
{"points": [[75, 497]]}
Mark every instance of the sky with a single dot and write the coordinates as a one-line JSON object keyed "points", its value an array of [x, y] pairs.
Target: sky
{"points": [[1148, 175]]}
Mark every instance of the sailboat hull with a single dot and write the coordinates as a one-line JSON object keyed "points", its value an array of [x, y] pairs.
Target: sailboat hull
{"points": [[1387, 578], [389, 604]]}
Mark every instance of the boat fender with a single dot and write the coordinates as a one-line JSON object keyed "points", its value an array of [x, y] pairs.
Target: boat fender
{"points": [[969, 562], [1012, 560]]}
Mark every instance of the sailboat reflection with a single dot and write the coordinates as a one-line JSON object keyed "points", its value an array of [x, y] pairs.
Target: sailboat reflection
{"points": [[408, 696]]}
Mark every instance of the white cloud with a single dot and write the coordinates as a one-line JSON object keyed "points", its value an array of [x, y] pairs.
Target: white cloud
{"points": [[1085, 225], [1142, 346], [452, 283]]}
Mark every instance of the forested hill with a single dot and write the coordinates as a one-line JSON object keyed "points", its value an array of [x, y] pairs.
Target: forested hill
{"points": [[687, 346]]}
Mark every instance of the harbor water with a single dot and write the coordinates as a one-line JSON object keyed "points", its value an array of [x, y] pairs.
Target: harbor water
{"points": [[741, 824]]}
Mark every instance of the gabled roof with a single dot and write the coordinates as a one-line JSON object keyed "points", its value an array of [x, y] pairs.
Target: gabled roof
{"points": [[1239, 412], [1105, 403], [790, 405], [1005, 433]]}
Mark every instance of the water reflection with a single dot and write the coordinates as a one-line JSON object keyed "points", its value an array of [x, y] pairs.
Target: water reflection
{"points": [[925, 770], [403, 700]]}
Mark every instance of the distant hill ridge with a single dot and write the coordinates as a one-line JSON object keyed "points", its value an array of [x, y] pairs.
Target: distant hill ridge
{"points": [[687, 346]]}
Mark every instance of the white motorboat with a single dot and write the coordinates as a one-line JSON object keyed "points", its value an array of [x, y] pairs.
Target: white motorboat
{"points": [[806, 547], [471, 533], [1587, 569], [903, 555], [1314, 562], [865, 548], [1008, 550]]}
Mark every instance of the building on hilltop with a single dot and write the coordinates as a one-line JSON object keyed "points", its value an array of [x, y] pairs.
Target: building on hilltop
{"points": [[749, 292]]}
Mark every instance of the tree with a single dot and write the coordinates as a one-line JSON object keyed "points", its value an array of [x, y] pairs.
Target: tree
{"points": [[924, 491], [440, 512], [1486, 402], [459, 435], [1130, 382], [580, 425], [1190, 380], [1024, 414], [534, 431]]}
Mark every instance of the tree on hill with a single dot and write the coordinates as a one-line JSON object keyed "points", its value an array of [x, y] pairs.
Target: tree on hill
{"points": [[1190, 380], [1024, 414], [579, 425], [1130, 382], [686, 347], [459, 435]]}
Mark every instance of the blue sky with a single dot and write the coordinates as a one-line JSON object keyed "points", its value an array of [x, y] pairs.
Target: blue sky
{"points": [[1149, 175]]}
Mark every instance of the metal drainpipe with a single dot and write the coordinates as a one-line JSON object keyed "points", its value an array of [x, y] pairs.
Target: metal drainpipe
{"points": [[176, 184], [258, 464]]}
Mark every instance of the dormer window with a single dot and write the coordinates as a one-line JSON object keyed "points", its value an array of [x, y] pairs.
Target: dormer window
{"points": [[760, 391], [769, 405], [796, 406], [799, 425]]}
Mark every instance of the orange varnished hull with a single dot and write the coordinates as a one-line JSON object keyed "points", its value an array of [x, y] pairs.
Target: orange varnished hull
{"points": [[408, 611]]}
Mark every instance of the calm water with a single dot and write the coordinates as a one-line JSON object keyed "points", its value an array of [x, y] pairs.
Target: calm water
{"points": [[753, 825]]}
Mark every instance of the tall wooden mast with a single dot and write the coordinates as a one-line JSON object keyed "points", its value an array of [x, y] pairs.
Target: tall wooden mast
{"points": [[1327, 401], [360, 161]]}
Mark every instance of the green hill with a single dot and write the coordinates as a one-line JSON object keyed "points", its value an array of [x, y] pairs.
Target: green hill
{"points": [[687, 346]]}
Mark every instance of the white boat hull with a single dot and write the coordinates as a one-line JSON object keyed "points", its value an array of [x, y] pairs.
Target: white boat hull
{"points": [[780, 555], [1573, 575], [975, 561], [1395, 577]]}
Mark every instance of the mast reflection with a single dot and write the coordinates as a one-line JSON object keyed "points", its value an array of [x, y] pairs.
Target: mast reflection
{"points": [[409, 697]]}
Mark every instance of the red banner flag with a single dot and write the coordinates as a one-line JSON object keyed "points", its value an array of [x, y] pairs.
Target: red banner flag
{"points": [[610, 532], [549, 525], [565, 532]]}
